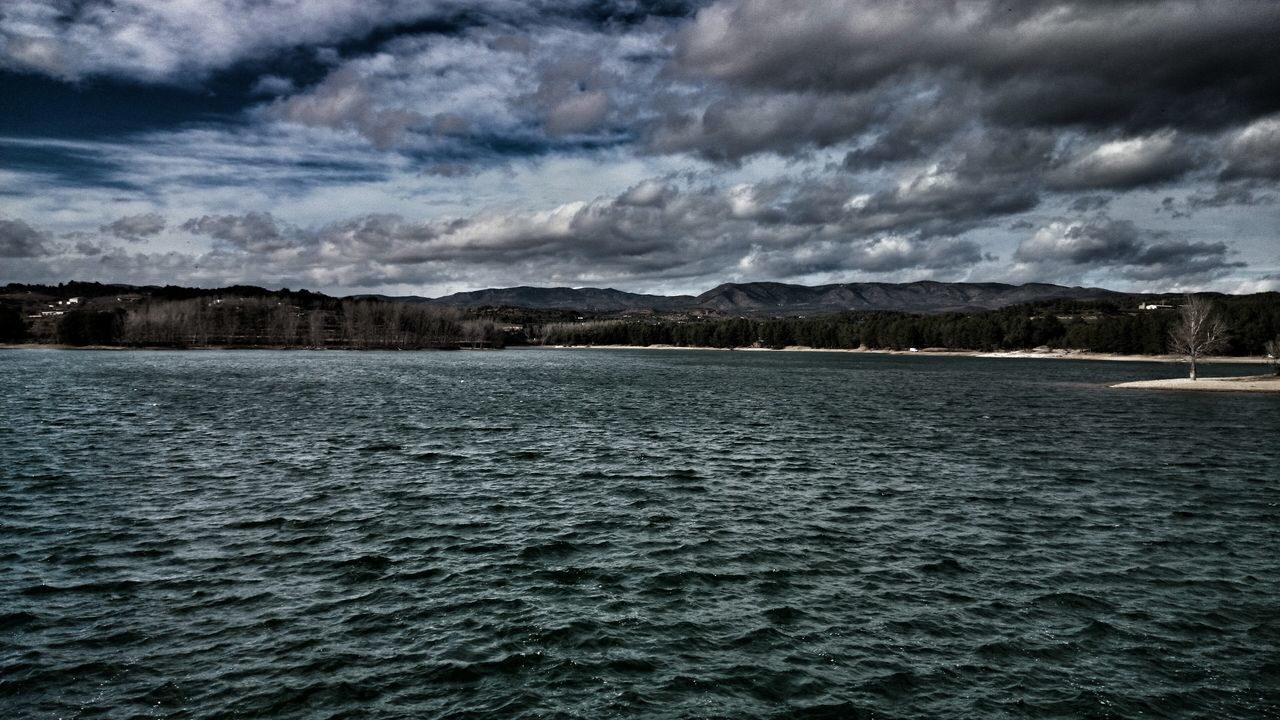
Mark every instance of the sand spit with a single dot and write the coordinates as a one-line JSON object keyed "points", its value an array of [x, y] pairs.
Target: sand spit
{"points": [[1248, 383]]}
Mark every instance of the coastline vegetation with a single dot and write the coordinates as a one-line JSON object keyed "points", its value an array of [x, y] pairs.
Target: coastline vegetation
{"points": [[1093, 326], [242, 317], [91, 314]]}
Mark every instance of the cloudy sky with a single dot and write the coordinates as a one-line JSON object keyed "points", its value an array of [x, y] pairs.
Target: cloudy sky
{"points": [[431, 146]]}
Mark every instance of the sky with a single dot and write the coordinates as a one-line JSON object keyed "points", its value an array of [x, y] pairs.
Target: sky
{"points": [[434, 146]]}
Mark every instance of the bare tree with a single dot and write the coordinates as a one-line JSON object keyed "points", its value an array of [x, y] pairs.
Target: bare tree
{"points": [[1272, 348], [315, 328], [1198, 332], [479, 333]]}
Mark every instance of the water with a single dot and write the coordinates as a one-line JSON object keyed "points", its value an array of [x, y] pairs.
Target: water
{"points": [[540, 533]]}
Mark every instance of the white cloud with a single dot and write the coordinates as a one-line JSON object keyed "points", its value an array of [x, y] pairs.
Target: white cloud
{"points": [[162, 41], [461, 94]]}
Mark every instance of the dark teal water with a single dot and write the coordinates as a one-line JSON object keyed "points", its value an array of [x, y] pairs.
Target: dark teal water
{"points": [[546, 534]]}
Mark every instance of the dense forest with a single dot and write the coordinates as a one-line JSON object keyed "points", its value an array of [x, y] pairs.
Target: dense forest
{"points": [[84, 314], [1098, 326], [256, 319]]}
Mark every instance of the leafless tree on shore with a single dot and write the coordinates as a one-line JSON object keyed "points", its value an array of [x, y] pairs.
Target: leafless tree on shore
{"points": [[1272, 348], [1198, 332]]}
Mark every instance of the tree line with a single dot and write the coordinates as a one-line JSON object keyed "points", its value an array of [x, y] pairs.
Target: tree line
{"points": [[189, 317], [275, 322], [1096, 326]]}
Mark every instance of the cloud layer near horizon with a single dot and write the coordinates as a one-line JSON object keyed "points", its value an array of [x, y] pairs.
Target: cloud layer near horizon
{"points": [[437, 146]]}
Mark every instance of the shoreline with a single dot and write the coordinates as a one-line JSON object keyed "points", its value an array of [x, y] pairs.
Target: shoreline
{"points": [[1246, 384], [1252, 384], [1008, 354], [221, 348], [928, 352]]}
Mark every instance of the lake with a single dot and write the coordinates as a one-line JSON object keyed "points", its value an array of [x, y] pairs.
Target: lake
{"points": [[628, 533]]}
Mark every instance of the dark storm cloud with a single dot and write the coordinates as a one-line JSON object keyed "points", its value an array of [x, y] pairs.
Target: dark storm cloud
{"points": [[893, 131], [631, 11], [1090, 95], [1102, 242], [915, 129], [661, 231], [654, 232], [1130, 64], [732, 128], [136, 228], [1255, 151], [20, 240], [1228, 195], [1182, 260], [1225, 195], [889, 122], [939, 203], [1138, 254], [981, 178], [1126, 164]]}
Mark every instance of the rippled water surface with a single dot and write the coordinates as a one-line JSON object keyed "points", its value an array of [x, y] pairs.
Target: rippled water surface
{"points": [[543, 533]]}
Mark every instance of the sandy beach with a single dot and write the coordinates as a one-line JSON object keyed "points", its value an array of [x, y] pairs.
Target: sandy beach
{"points": [[932, 352], [1249, 383]]}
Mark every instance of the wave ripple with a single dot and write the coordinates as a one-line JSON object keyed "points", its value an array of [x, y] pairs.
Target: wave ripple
{"points": [[534, 534]]}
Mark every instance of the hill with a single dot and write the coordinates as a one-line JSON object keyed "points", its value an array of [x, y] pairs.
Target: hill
{"points": [[925, 297], [780, 299], [606, 300]]}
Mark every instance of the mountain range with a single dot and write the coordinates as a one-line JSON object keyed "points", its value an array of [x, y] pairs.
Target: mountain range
{"points": [[770, 298], [756, 299]]}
